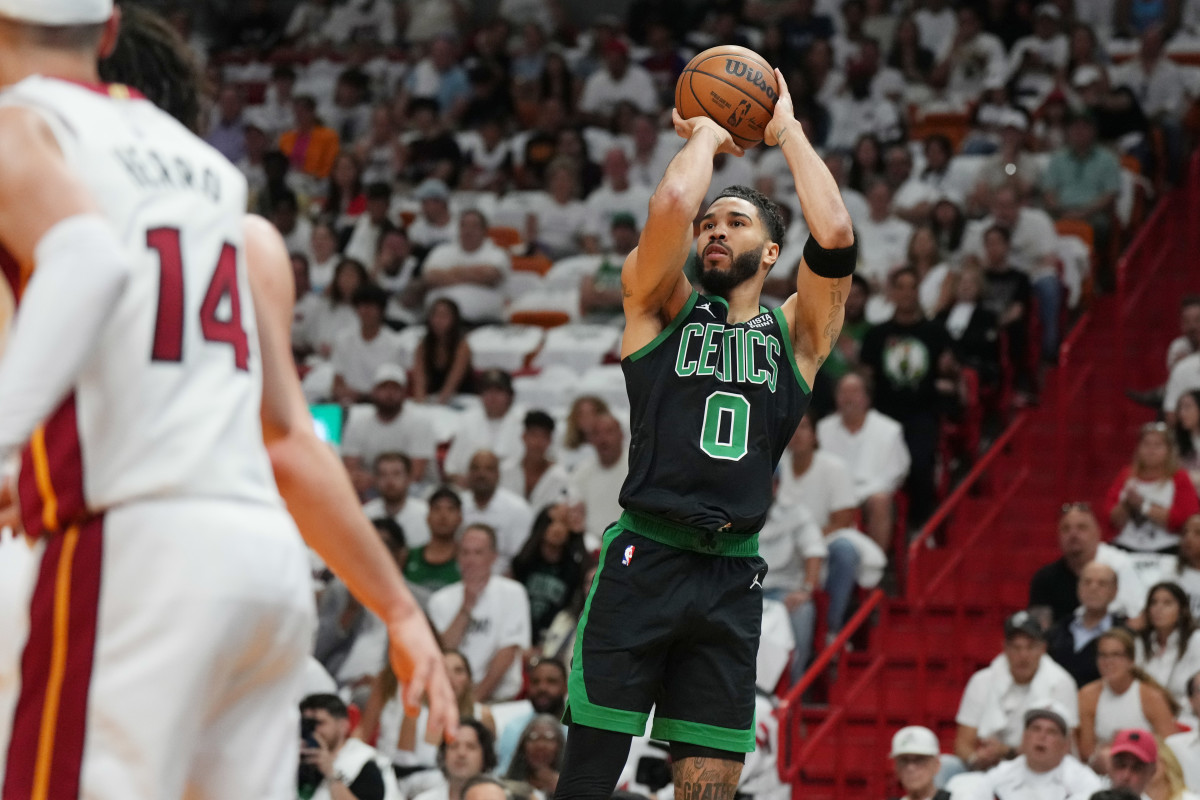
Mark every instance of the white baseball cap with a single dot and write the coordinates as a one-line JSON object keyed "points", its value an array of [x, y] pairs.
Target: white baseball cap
{"points": [[57, 12], [915, 741]]}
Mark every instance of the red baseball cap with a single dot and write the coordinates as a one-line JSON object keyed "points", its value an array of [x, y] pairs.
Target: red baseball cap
{"points": [[1138, 743]]}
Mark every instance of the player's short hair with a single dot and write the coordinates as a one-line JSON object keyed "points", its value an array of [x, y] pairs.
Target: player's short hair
{"points": [[152, 57], [447, 494], [768, 210], [392, 455], [539, 420], [330, 703], [486, 530]]}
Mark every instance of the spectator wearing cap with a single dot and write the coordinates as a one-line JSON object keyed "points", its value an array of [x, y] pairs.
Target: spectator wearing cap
{"points": [[227, 131], [596, 483], [391, 425], [533, 476], [471, 271], [1045, 769], [1082, 180], [873, 449], [435, 224], [359, 351], [310, 146], [619, 81], [1073, 640], [915, 755], [616, 196], [430, 149], [1038, 62], [1124, 697], [991, 716], [363, 243], [1012, 164], [393, 475], [1186, 745], [1134, 760], [1054, 590], [496, 425]]}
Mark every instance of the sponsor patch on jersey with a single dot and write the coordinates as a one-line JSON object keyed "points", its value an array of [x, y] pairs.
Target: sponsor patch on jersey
{"points": [[761, 321], [628, 555]]}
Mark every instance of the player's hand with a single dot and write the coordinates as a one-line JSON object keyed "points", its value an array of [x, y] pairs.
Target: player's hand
{"points": [[784, 113], [419, 666], [687, 128]]}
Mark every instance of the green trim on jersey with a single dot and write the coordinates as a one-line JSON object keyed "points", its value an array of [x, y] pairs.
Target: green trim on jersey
{"points": [[685, 537], [788, 347], [667, 331], [729, 739], [578, 705]]}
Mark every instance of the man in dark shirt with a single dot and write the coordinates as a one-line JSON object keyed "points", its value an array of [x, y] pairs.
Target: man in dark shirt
{"points": [[433, 153], [1073, 640], [1008, 293], [904, 356], [329, 758]]}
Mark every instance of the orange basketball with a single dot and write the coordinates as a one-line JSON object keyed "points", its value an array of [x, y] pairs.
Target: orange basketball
{"points": [[733, 86]]}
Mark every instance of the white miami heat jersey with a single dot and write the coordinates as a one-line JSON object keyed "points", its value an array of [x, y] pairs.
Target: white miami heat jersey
{"points": [[168, 403]]}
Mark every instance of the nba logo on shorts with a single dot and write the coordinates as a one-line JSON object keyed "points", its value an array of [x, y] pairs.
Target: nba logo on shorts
{"points": [[628, 555]]}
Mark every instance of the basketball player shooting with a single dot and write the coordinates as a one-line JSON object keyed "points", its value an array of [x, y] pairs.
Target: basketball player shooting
{"points": [[717, 385], [171, 613]]}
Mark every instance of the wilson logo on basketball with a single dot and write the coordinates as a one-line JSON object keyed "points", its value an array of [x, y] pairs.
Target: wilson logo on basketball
{"points": [[739, 69]]}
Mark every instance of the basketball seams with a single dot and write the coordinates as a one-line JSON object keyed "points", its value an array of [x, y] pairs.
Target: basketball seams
{"points": [[758, 104]]}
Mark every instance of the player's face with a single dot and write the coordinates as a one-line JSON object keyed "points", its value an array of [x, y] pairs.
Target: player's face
{"points": [[730, 245]]}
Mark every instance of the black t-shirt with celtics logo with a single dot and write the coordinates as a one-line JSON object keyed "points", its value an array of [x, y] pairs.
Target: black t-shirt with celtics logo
{"points": [[904, 360], [712, 408]]}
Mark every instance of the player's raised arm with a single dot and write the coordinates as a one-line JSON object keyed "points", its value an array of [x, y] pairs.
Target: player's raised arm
{"points": [[652, 281], [817, 310], [319, 495], [69, 270]]}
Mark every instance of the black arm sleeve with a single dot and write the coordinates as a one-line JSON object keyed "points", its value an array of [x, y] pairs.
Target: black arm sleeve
{"points": [[369, 783]]}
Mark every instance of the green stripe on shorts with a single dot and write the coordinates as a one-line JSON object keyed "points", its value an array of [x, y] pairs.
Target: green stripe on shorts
{"points": [[677, 730], [581, 710]]}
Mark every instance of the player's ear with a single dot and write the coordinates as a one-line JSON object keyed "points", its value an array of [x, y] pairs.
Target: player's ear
{"points": [[770, 254]]}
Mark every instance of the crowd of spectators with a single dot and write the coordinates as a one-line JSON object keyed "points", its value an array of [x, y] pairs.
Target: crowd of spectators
{"points": [[438, 173]]}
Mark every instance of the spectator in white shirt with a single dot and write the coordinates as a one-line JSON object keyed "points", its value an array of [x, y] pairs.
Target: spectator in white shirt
{"points": [[794, 549], [496, 426], [872, 446], [504, 511], [323, 250], [1188, 341], [616, 196], [1158, 82], [533, 476], [336, 313], [1186, 745], [975, 56], [434, 224], [391, 425], [305, 308], [1038, 62], [991, 716], [913, 199], [619, 81], [359, 352], [559, 220], [1045, 769], [652, 151], [471, 272], [937, 24], [1185, 377], [393, 476], [1168, 647], [485, 617], [364, 237], [883, 237], [596, 483]]}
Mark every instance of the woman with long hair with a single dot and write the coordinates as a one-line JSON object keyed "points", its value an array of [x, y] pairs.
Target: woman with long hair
{"points": [[574, 447], [550, 566], [1150, 499], [1187, 566], [948, 223], [1168, 647], [323, 245], [1124, 697], [539, 754], [442, 363], [336, 313], [346, 201], [866, 162], [1187, 434], [1168, 782], [913, 60]]}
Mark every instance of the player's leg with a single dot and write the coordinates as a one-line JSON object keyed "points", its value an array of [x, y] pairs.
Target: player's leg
{"points": [[704, 773], [592, 763]]}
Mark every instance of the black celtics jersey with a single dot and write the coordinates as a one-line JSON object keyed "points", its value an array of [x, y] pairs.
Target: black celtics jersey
{"points": [[712, 408]]}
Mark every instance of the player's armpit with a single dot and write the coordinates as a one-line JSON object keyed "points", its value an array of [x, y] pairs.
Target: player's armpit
{"points": [[643, 322], [37, 190], [815, 314]]}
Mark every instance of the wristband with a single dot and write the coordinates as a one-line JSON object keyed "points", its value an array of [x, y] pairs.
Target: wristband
{"points": [[836, 263]]}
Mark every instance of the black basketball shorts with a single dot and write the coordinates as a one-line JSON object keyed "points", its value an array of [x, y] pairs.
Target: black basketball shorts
{"points": [[672, 628]]}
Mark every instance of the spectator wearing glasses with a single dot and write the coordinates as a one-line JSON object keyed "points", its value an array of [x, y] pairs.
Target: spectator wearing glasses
{"points": [[1134, 760], [538, 759], [1150, 499], [915, 754]]}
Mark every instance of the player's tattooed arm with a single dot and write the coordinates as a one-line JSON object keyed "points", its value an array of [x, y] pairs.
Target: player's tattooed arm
{"points": [[833, 326], [706, 779]]}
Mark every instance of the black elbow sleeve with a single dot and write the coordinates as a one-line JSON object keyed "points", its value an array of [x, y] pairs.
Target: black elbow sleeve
{"points": [[836, 263]]}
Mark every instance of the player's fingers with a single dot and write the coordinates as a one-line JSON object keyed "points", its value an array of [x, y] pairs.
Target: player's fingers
{"points": [[443, 708], [737, 150], [414, 687]]}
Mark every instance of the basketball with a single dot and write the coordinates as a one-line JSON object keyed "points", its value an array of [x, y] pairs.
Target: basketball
{"points": [[733, 86]]}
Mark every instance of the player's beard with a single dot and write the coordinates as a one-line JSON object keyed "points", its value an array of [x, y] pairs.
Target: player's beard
{"points": [[742, 267]]}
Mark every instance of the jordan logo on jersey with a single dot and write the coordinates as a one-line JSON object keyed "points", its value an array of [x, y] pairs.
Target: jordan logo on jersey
{"points": [[628, 555], [707, 307]]}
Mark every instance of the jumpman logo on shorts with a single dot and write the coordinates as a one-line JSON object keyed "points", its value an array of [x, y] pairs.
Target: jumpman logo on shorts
{"points": [[757, 582]]}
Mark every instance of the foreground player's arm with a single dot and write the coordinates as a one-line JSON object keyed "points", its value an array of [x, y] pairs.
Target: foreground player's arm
{"points": [[320, 498], [817, 310], [653, 286], [51, 226]]}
